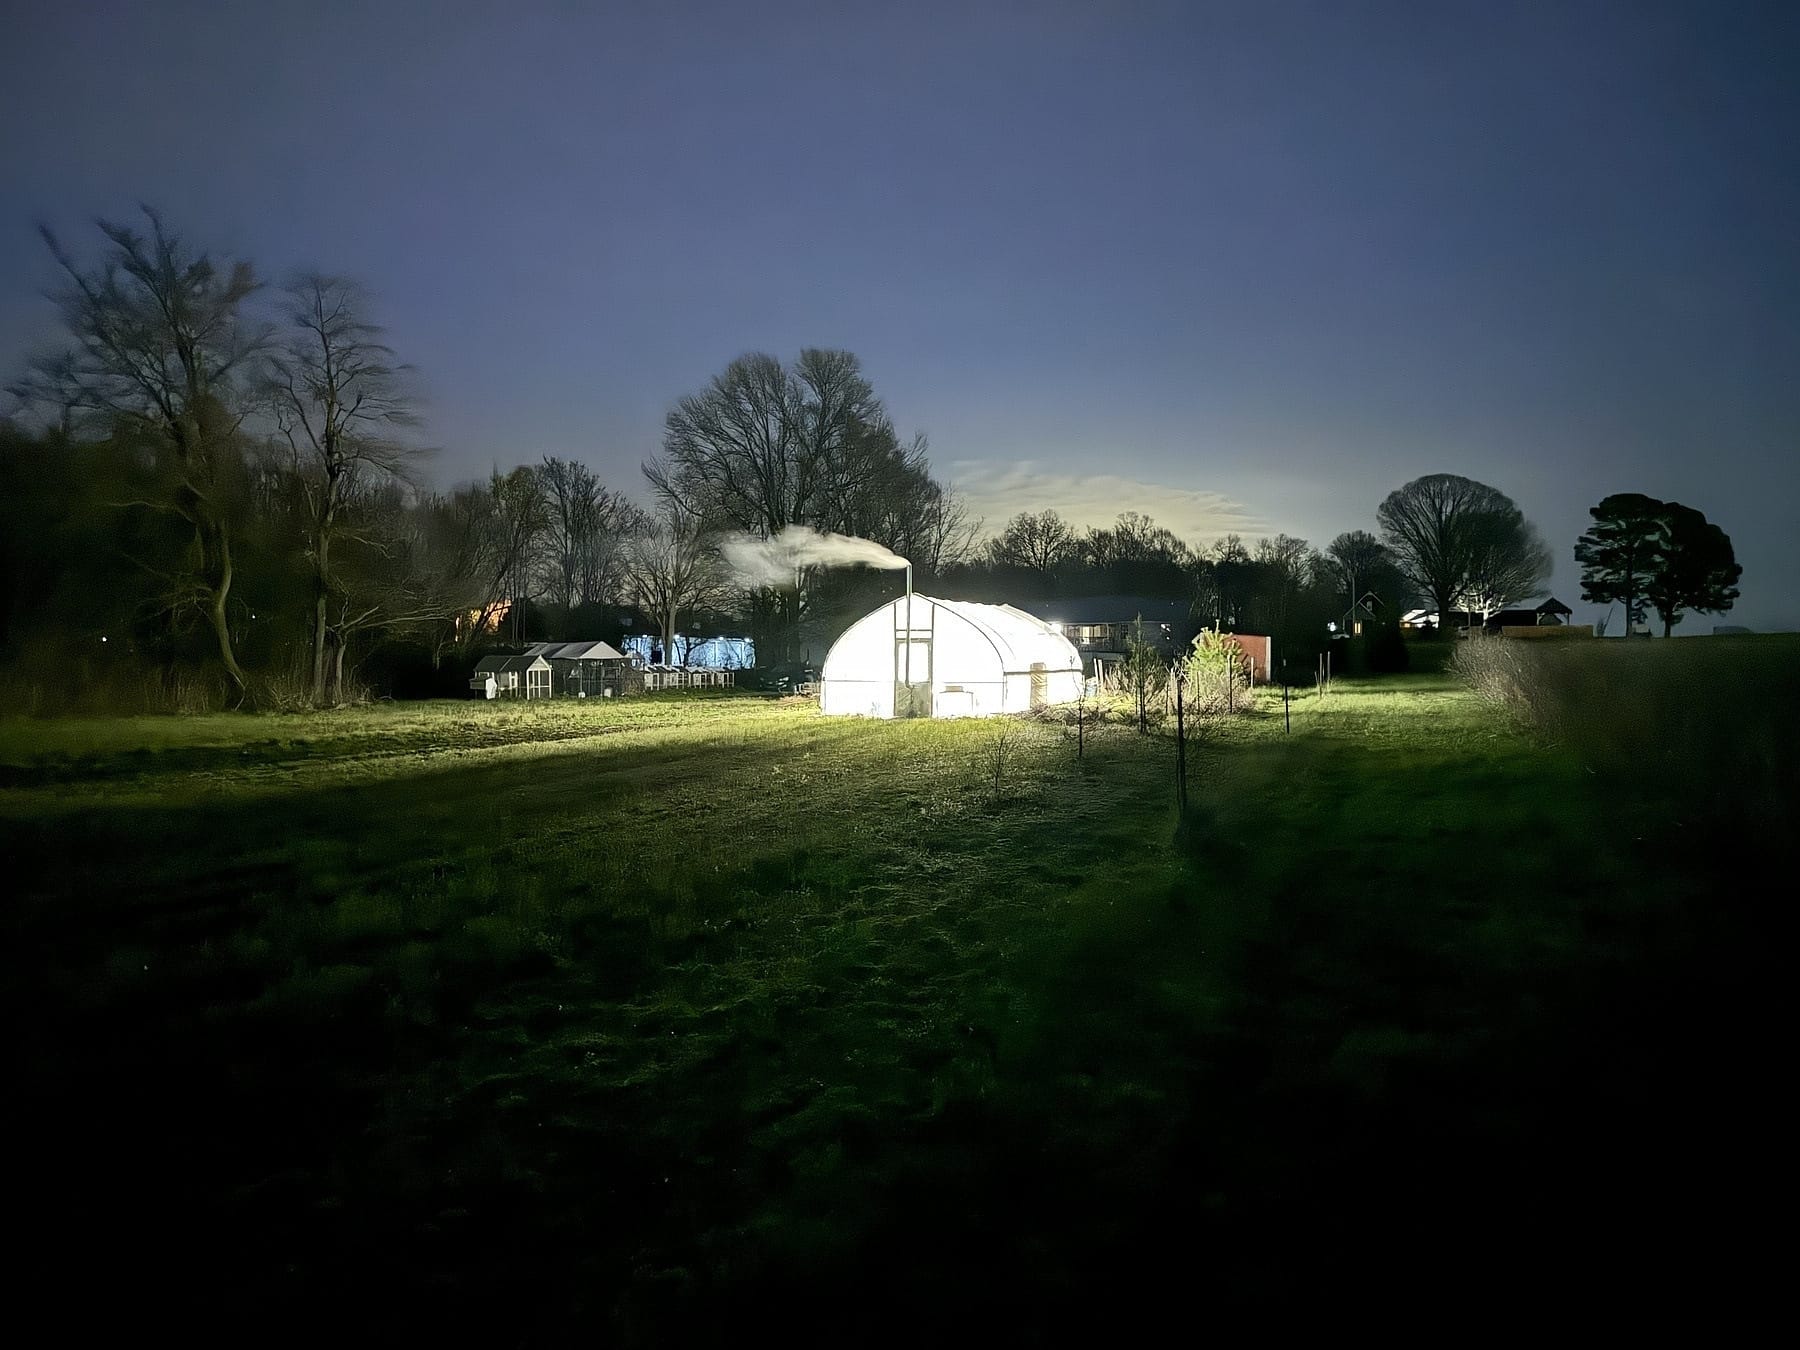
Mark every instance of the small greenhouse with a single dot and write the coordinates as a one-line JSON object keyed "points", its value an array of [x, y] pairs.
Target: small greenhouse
{"points": [[512, 676], [921, 657]]}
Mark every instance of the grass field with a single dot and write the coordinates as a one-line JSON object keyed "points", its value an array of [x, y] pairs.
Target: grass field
{"points": [[663, 1017]]}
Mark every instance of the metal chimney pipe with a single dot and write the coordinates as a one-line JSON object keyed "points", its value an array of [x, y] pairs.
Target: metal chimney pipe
{"points": [[909, 625]]}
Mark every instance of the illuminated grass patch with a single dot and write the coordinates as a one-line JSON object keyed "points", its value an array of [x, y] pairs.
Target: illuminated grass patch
{"points": [[724, 997]]}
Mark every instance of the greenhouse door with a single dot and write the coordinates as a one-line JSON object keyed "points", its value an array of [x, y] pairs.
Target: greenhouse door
{"points": [[912, 677]]}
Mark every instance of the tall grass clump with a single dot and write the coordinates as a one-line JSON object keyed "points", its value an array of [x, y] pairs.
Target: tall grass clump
{"points": [[285, 689], [1510, 676], [1706, 726], [53, 682]]}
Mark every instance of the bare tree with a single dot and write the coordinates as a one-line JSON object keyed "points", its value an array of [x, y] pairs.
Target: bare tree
{"points": [[735, 448], [454, 571], [1444, 529], [899, 505], [410, 565], [586, 538], [161, 357], [374, 582], [1508, 562], [520, 520], [1354, 558], [1225, 576], [675, 569], [1135, 539], [1038, 542], [945, 532], [1284, 570], [474, 549], [337, 396], [766, 446]]}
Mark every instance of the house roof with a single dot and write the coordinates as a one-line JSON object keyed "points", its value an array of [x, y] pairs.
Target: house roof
{"points": [[575, 651], [494, 665], [1017, 640], [1524, 616], [1107, 609], [1517, 616]]}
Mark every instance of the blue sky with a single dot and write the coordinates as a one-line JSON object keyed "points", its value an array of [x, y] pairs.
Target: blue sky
{"points": [[1237, 266]]}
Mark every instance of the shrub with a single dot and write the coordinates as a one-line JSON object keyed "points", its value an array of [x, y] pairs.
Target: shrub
{"points": [[1146, 677], [1218, 675], [285, 689], [1507, 674], [1385, 650]]}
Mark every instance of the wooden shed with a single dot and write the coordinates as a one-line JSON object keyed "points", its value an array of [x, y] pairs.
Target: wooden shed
{"points": [[527, 676]]}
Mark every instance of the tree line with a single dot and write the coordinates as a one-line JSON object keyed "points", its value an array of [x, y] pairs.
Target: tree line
{"points": [[1449, 541], [213, 475], [1280, 585], [223, 477]]}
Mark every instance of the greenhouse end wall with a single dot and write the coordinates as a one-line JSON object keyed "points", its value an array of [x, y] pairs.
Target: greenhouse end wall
{"points": [[978, 661]]}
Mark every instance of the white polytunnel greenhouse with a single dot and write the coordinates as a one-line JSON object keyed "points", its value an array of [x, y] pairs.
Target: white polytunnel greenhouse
{"points": [[920, 657]]}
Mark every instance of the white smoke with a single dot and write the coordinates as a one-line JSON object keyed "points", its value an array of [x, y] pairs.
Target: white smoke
{"points": [[773, 561]]}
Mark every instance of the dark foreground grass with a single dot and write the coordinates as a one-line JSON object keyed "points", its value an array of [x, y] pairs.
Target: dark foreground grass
{"points": [[682, 1021]]}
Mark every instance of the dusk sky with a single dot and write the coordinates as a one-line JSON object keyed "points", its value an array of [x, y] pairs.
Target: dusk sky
{"points": [[1240, 267]]}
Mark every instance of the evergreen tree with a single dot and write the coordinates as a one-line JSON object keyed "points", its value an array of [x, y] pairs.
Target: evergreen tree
{"points": [[1695, 568], [1618, 554]]}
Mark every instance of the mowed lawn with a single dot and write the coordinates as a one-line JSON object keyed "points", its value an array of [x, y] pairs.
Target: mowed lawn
{"points": [[657, 1017]]}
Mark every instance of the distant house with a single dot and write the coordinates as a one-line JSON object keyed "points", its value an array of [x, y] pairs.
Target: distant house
{"points": [[1551, 613], [722, 651], [1102, 626], [1364, 611], [1422, 621]]}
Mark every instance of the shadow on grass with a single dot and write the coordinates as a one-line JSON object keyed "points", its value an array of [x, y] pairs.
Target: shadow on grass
{"points": [[512, 1048]]}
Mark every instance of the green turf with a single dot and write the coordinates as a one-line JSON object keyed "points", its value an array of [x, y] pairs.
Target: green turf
{"points": [[653, 1015]]}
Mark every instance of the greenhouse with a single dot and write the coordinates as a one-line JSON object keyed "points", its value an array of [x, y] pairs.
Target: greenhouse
{"points": [[921, 657]]}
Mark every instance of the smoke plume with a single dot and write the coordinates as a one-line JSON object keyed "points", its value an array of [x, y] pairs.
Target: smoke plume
{"points": [[772, 561]]}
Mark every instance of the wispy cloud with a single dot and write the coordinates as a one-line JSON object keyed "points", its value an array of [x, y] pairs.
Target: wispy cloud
{"points": [[1001, 490]]}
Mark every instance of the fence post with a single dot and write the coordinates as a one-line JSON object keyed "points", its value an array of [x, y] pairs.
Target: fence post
{"points": [[1180, 740]]}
